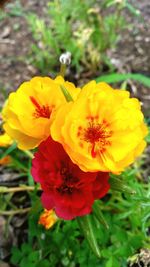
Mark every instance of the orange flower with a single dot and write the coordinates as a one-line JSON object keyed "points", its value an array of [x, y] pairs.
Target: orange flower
{"points": [[6, 160], [103, 130], [48, 218], [27, 113]]}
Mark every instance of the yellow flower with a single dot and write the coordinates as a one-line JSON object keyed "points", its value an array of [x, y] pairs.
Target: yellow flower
{"points": [[102, 130], [48, 218], [27, 113], [5, 140]]}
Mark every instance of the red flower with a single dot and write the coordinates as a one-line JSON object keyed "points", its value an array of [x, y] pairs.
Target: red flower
{"points": [[67, 189]]}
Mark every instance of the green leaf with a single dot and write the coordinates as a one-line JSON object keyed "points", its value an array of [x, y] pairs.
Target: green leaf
{"points": [[124, 251], [16, 255], [26, 248], [43, 263], [136, 241], [66, 93], [33, 256], [148, 136], [98, 214], [86, 226], [118, 77], [118, 185], [112, 262], [133, 10], [8, 150], [30, 178]]}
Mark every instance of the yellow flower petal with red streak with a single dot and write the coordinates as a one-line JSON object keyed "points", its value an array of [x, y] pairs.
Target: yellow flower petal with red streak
{"points": [[103, 130], [48, 218], [27, 113]]}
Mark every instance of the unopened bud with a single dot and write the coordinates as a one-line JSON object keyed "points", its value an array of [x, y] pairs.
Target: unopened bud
{"points": [[65, 58]]}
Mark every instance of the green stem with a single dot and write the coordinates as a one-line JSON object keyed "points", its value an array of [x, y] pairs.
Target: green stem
{"points": [[29, 154], [66, 94], [62, 70]]}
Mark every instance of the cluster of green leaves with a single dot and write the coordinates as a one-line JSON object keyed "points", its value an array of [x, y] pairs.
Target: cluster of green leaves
{"points": [[85, 28], [14, 10], [63, 245]]}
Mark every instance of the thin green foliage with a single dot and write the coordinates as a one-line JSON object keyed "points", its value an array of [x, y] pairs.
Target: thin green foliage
{"points": [[119, 77], [13, 10], [8, 150], [85, 28]]}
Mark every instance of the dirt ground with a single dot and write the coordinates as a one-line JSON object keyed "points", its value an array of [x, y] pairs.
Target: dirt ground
{"points": [[131, 55]]}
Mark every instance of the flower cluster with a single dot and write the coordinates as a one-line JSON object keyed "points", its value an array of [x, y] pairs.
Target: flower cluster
{"points": [[99, 131]]}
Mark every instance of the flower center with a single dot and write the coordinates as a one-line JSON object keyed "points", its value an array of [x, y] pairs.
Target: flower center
{"points": [[97, 134], [43, 111], [64, 189], [68, 182]]}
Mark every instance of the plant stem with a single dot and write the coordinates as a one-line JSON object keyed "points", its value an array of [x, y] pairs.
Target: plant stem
{"points": [[62, 70], [4, 189], [118, 15], [14, 212], [29, 154]]}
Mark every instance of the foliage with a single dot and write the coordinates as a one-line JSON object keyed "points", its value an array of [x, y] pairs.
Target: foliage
{"points": [[87, 29], [118, 77], [127, 216], [14, 10]]}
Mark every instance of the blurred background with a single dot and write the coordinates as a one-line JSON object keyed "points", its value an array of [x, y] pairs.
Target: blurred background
{"points": [[103, 36], [109, 40]]}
